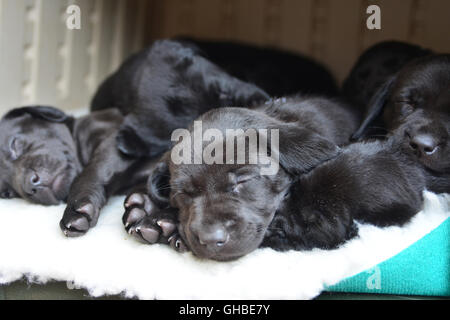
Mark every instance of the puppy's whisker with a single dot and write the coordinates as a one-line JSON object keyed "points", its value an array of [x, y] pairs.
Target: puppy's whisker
{"points": [[379, 135], [277, 229], [164, 188], [377, 127]]}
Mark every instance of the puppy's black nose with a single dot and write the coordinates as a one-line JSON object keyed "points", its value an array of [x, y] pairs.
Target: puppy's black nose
{"points": [[35, 180], [32, 183], [216, 236], [423, 143]]}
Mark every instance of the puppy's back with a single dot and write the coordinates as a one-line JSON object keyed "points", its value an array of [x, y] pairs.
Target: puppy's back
{"points": [[278, 72]]}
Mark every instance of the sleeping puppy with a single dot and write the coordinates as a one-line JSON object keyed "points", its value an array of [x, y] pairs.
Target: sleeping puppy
{"points": [[171, 83], [374, 67], [415, 105], [223, 211], [49, 157]]}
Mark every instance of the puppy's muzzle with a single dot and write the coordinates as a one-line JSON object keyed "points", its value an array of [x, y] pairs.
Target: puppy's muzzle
{"points": [[37, 186], [212, 238], [423, 144]]}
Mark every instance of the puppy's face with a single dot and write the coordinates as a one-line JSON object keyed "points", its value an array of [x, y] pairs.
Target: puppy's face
{"points": [[39, 158], [224, 210], [419, 110]]}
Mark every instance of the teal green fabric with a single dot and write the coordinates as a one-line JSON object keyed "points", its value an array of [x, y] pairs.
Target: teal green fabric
{"points": [[421, 269]]}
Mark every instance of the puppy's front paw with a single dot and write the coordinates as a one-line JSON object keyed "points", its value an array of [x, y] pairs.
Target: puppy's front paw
{"points": [[148, 223], [77, 221], [153, 229]]}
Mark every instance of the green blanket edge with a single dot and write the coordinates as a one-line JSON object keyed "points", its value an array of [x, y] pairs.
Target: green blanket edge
{"points": [[421, 269]]}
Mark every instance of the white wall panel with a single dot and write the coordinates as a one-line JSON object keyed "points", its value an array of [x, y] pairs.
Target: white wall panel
{"points": [[43, 62]]}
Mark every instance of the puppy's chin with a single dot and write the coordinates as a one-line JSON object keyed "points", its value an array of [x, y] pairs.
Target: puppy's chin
{"points": [[435, 162], [44, 196], [435, 166], [232, 250], [219, 256]]}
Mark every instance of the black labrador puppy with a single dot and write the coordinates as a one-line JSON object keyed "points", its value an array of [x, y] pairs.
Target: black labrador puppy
{"points": [[374, 67], [224, 211], [49, 157], [231, 211], [414, 102], [171, 83]]}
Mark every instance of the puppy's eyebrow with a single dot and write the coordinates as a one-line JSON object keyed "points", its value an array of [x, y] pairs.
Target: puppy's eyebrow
{"points": [[249, 169]]}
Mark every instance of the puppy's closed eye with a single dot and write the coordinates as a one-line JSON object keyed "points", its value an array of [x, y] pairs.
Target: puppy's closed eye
{"points": [[7, 194], [238, 179], [188, 192], [237, 187], [184, 195]]}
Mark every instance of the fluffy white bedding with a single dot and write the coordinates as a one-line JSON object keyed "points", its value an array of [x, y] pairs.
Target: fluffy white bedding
{"points": [[108, 261]]}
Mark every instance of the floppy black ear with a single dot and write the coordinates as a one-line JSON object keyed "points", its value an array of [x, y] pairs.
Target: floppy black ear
{"points": [[301, 150], [42, 112], [158, 183], [375, 107]]}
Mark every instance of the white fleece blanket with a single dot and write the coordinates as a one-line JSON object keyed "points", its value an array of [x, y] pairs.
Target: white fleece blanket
{"points": [[109, 261]]}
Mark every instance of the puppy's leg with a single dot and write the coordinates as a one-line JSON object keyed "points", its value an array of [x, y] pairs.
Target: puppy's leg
{"points": [[148, 223], [90, 190]]}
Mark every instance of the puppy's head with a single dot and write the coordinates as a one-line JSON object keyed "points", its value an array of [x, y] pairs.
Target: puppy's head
{"points": [[375, 65], [415, 104], [39, 156], [224, 210]]}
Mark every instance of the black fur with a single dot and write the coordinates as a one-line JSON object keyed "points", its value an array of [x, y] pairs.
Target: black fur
{"points": [[374, 67], [413, 103], [279, 73], [50, 157], [173, 82], [226, 211], [372, 182]]}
